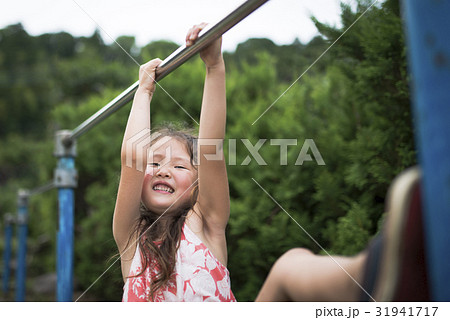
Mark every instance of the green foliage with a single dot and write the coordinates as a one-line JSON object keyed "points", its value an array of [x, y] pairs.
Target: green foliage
{"points": [[158, 49], [353, 103]]}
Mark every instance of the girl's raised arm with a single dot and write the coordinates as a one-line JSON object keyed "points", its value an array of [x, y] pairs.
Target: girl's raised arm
{"points": [[126, 211], [213, 198]]}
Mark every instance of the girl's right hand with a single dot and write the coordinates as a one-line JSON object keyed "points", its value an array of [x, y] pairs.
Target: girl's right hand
{"points": [[212, 54], [147, 76]]}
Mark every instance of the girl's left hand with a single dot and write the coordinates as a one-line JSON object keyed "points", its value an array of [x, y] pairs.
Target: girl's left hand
{"points": [[212, 54]]}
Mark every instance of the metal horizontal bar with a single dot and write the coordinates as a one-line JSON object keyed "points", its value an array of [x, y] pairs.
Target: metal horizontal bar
{"points": [[177, 58], [42, 189]]}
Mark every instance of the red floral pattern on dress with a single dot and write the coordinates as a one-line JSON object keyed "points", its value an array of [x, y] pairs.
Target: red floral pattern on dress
{"points": [[198, 275]]}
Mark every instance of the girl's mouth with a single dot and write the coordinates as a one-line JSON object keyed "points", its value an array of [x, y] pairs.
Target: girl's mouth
{"points": [[164, 188]]}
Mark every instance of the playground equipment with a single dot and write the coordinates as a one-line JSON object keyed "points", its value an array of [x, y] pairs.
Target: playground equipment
{"points": [[21, 220], [427, 29], [8, 224]]}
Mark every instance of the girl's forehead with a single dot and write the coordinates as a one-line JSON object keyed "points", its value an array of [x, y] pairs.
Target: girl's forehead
{"points": [[171, 148]]}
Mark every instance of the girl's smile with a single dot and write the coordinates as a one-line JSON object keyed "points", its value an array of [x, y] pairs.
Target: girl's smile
{"points": [[162, 187]]}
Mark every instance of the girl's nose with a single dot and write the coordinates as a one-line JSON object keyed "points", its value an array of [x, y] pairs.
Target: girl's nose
{"points": [[163, 172]]}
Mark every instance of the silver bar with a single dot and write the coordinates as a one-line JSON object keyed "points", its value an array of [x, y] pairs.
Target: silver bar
{"points": [[177, 58], [42, 189]]}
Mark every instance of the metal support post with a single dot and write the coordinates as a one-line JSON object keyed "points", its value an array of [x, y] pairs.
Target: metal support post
{"points": [[22, 226], [427, 30], [9, 220], [65, 179]]}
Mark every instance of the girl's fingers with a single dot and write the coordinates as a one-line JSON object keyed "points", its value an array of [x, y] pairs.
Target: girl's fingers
{"points": [[151, 65], [147, 75], [188, 35], [148, 69], [193, 33], [197, 29]]}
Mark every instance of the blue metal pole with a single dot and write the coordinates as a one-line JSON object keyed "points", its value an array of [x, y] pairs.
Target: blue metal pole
{"points": [[22, 223], [7, 253], [428, 34], [65, 180], [65, 245]]}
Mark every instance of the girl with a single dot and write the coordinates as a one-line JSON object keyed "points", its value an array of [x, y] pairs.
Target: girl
{"points": [[169, 221]]}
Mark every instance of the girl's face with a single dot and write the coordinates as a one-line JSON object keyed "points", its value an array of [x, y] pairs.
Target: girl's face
{"points": [[169, 177]]}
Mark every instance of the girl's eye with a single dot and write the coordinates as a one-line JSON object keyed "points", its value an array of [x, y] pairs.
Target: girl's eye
{"points": [[180, 167], [154, 164]]}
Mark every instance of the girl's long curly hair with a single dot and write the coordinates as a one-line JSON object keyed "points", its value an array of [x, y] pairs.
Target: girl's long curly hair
{"points": [[159, 235]]}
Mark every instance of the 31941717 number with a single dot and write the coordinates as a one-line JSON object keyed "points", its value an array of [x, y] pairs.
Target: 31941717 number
{"points": [[406, 311]]}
